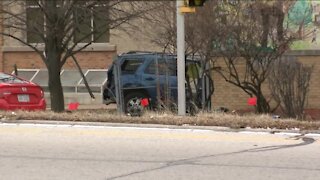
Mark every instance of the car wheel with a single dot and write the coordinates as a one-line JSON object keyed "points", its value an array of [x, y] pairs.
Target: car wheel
{"points": [[133, 105]]}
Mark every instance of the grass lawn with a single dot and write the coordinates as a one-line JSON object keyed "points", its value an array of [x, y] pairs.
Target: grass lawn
{"points": [[203, 119]]}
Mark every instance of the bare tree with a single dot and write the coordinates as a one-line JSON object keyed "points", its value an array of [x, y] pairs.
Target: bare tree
{"points": [[250, 42], [289, 84], [58, 29], [159, 26], [243, 37]]}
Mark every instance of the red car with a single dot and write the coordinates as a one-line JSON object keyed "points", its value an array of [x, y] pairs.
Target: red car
{"points": [[17, 93]]}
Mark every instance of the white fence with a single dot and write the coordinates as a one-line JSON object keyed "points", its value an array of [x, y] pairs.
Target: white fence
{"points": [[71, 79]]}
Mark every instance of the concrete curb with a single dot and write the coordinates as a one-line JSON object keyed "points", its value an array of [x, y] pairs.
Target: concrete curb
{"points": [[189, 127]]}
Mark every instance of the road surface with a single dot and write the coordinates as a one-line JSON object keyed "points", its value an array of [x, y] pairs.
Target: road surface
{"points": [[50, 152]]}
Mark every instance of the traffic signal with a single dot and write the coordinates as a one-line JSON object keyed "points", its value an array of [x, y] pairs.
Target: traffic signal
{"points": [[194, 3]]}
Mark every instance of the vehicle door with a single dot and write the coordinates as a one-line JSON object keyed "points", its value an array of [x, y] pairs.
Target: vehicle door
{"points": [[130, 72], [160, 76]]}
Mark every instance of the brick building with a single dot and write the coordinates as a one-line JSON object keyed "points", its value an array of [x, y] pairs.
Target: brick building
{"points": [[95, 56], [105, 44], [99, 56]]}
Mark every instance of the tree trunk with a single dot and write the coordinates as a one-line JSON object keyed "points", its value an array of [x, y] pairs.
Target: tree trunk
{"points": [[55, 86], [54, 53], [54, 68], [262, 104]]}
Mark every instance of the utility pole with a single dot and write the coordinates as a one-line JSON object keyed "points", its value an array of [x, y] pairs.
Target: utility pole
{"points": [[181, 60], [183, 6]]}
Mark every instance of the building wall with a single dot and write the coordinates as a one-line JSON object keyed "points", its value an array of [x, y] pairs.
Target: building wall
{"points": [[24, 58], [135, 41], [226, 94], [314, 94], [97, 56], [233, 98]]}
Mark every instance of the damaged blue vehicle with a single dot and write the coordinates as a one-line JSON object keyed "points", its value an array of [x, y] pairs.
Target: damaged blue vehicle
{"points": [[149, 80]]}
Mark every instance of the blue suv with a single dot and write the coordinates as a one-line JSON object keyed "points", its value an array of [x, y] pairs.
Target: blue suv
{"points": [[152, 76]]}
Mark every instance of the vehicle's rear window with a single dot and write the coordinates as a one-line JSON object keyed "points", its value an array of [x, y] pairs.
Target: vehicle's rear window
{"points": [[130, 66], [6, 78]]}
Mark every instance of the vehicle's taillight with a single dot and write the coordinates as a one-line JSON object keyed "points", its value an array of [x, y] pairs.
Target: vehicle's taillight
{"points": [[41, 93]]}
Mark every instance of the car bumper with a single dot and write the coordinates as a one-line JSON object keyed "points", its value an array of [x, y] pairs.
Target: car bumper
{"points": [[39, 106]]}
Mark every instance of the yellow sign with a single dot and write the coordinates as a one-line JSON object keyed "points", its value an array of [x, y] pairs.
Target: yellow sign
{"points": [[184, 9]]}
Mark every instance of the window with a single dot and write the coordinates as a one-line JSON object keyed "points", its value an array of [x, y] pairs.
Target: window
{"points": [[130, 66], [168, 67], [90, 23], [35, 22]]}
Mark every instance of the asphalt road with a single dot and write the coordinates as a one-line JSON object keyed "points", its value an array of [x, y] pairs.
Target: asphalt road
{"points": [[48, 152]]}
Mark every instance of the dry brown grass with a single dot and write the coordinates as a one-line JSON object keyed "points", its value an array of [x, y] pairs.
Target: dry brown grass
{"points": [[205, 119]]}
